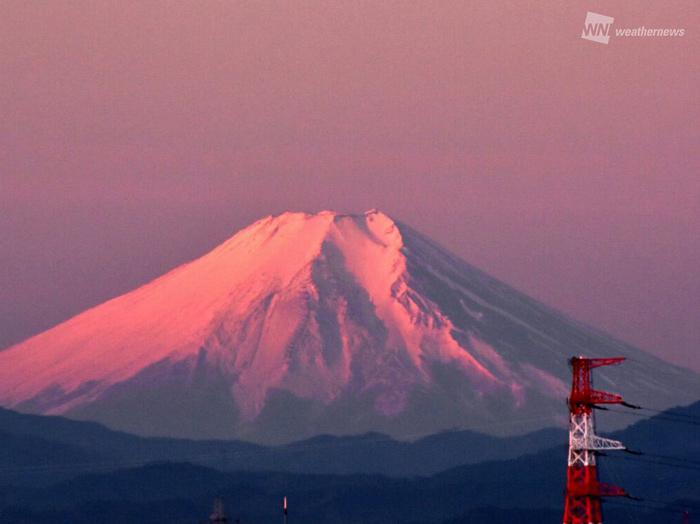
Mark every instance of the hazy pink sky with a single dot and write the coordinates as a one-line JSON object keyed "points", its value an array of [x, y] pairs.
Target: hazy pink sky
{"points": [[136, 135]]}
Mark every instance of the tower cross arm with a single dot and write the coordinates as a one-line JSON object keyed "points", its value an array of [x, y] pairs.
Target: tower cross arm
{"points": [[605, 444], [598, 362], [610, 490], [603, 397]]}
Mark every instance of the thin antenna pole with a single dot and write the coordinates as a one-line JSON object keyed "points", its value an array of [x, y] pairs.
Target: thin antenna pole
{"points": [[218, 516]]}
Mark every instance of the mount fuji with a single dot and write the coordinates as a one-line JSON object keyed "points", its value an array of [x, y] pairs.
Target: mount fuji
{"points": [[303, 324]]}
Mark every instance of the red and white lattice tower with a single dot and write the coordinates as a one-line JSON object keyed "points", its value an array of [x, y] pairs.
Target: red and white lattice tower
{"points": [[583, 489]]}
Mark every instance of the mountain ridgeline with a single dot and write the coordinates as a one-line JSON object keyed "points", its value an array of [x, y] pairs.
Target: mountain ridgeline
{"points": [[109, 485]]}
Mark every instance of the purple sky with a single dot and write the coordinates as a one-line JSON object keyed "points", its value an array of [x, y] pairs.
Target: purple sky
{"points": [[137, 135]]}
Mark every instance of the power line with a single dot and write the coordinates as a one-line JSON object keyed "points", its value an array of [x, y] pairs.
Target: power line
{"points": [[670, 413], [669, 457], [656, 462], [689, 421], [652, 507]]}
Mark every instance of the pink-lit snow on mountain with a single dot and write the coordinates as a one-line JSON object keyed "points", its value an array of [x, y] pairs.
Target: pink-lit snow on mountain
{"points": [[362, 322]]}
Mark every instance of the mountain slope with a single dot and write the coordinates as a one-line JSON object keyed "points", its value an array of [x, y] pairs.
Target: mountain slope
{"points": [[306, 324]]}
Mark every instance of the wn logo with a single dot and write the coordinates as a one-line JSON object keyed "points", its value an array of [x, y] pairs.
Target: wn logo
{"points": [[597, 28]]}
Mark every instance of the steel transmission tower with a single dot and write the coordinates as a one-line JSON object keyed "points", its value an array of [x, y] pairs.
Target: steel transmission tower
{"points": [[583, 489]]}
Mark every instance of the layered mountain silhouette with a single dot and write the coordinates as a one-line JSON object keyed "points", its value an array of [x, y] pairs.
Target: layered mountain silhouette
{"points": [[523, 490], [39, 450], [307, 324]]}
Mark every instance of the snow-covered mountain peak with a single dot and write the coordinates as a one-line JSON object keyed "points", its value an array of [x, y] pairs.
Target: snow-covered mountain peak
{"points": [[307, 323]]}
